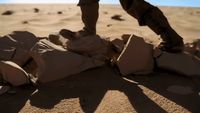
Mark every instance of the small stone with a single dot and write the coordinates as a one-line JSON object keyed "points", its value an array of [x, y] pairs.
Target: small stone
{"points": [[36, 10], [59, 12], [117, 17], [109, 25], [105, 12], [25, 22], [9, 12], [136, 58]]}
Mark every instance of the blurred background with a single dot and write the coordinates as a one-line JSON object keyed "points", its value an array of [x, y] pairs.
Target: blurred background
{"points": [[187, 3]]}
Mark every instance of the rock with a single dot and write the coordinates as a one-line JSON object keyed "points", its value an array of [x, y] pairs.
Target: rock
{"points": [[109, 25], [1, 79], [136, 58], [105, 12], [118, 45], [9, 12], [59, 12], [6, 54], [125, 37], [56, 63], [13, 74], [198, 54], [36, 10], [4, 89], [7, 48], [117, 17], [180, 90], [21, 56], [58, 40], [15, 46], [25, 22], [24, 39], [182, 63], [93, 46], [68, 34], [30, 67]]}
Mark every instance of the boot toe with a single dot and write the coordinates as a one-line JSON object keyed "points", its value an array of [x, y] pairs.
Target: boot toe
{"points": [[179, 47]]}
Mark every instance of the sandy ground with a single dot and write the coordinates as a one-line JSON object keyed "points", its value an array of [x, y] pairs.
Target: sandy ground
{"points": [[101, 90]]}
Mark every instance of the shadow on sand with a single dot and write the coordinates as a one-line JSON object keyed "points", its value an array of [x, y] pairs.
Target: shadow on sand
{"points": [[91, 86]]}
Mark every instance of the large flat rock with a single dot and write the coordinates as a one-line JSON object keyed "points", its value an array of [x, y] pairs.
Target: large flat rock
{"points": [[13, 73], [182, 63], [137, 57], [56, 63]]}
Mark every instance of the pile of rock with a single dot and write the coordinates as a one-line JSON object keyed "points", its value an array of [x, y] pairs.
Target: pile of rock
{"points": [[26, 59], [139, 57]]}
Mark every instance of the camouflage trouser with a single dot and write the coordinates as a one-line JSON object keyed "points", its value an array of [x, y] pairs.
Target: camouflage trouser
{"points": [[136, 8], [86, 2], [146, 14]]}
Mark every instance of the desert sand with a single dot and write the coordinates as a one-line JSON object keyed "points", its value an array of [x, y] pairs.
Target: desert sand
{"points": [[102, 90]]}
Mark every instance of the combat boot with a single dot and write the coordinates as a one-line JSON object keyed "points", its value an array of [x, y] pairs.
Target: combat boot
{"points": [[171, 41], [89, 17]]}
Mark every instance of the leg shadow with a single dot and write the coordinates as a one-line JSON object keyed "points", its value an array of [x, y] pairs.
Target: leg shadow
{"points": [[87, 87], [90, 88], [140, 102], [14, 103]]}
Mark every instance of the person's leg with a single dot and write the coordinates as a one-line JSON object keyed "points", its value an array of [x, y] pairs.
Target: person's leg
{"points": [[149, 15], [89, 16]]}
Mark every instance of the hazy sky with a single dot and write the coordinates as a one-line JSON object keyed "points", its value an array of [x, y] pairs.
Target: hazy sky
{"points": [[194, 3]]}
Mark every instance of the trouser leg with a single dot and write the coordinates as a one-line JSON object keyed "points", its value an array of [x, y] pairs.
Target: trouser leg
{"points": [[90, 14], [149, 15]]}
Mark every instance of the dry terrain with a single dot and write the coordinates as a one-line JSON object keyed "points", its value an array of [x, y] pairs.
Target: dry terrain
{"points": [[102, 90]]}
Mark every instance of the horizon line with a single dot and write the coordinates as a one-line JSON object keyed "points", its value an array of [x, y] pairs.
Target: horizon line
{"points": [[179, 3]]}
